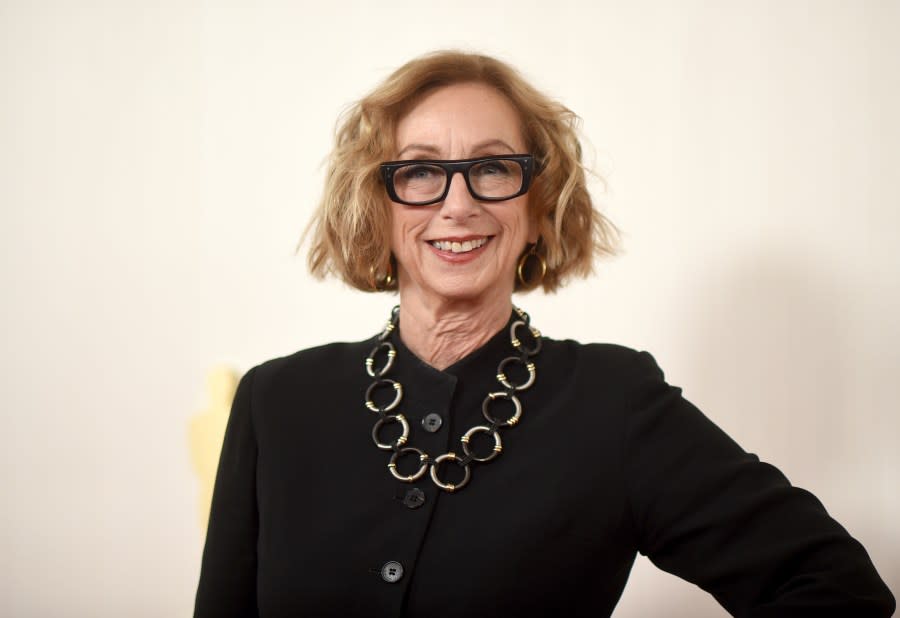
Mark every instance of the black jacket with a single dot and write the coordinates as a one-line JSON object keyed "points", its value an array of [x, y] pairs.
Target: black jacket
{"points": [[607, 460]]}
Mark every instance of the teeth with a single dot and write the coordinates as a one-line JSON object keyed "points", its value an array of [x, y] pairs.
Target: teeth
{"points": [[458, 247]]}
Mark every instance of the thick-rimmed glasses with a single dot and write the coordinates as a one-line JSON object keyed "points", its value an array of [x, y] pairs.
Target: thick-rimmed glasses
{"points": [[489, 179]]}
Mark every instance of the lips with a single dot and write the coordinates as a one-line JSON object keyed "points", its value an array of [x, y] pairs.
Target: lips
{"points": [[459, 246]]}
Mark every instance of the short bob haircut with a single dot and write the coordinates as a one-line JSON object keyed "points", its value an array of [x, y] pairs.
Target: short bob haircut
{"points": [[351, 231]]}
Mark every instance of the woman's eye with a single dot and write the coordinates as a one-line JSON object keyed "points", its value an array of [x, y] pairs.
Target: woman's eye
{"points": [[418, 172], [494, 168]]}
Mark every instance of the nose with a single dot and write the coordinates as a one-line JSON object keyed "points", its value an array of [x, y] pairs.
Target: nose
{"points": [[459, 203]]}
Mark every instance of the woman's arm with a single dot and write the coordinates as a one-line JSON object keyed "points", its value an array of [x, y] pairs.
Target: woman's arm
{"points": [[716, 516], [227, 585]]}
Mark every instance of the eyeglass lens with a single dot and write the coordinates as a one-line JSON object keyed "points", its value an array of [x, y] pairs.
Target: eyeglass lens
{"points": [[495, 179]]}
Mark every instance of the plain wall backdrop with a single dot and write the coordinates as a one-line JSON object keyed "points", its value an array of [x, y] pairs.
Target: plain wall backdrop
{"points": [[159, 163]]}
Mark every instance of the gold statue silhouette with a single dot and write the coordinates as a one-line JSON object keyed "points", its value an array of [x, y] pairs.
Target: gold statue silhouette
{"points": [[205, 434]]}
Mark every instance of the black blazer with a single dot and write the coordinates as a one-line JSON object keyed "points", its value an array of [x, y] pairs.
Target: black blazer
{"points": [[607, 460]]}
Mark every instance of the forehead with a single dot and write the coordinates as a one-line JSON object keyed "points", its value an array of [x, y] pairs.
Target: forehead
{"points": [[461, 116]]}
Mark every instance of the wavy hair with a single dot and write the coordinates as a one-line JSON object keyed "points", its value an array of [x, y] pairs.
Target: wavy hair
{"points": [[350, 231]]}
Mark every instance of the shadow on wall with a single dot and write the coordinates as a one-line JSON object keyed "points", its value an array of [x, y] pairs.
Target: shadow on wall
{"points": [[783, 352], [765, 350], [767, 339]]}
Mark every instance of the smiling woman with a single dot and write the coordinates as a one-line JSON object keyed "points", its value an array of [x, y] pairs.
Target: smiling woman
{"points": [[462, 250], [456, 184], [408, 117]]}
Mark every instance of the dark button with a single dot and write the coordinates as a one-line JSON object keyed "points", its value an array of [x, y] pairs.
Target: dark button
{"points": [[414, 498], [432, 422], [391, 572]]}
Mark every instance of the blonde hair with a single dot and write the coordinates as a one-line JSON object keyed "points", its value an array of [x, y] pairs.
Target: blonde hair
{"points": [[351, 232]]}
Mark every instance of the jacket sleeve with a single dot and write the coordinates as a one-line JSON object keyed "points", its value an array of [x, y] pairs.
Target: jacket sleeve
{"points": [[227, 585], [707, 511]]}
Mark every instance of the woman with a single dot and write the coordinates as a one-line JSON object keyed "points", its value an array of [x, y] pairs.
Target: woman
{"points": [[459, 464]]}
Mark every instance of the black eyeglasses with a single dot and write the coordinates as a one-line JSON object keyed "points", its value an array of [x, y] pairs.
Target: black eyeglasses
{"points": [[489, 179]]}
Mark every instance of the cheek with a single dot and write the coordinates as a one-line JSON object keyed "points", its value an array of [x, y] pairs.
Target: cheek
{"points": [[405, 228], [518, 222]]}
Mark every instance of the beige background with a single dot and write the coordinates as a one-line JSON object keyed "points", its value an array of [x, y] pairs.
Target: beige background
{"points": [[158, 164]]}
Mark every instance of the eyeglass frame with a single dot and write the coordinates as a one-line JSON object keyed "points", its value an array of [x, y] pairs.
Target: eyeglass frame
{"points": [[452, 167]]}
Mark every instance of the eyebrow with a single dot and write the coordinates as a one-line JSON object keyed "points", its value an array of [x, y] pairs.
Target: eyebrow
{"points": [[429, 149]]}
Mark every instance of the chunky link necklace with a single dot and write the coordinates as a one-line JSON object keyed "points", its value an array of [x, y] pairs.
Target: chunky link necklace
{"points": [[385, 350]]}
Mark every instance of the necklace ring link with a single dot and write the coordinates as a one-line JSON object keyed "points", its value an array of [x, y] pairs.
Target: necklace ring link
{"points": [[498, 444], [398, 395], [388, 363], [415, 476], [491, 397], [504, 380], [387, 446], [518, 344], [449, 486]]}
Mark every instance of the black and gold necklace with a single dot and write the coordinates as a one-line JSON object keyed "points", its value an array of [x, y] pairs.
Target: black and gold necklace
{"points": [[386, 350]]}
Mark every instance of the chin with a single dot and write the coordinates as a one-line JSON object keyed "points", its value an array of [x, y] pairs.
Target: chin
{"points": [[467, 289], [461, 292]]}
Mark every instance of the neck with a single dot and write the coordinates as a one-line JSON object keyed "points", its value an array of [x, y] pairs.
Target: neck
{"points": [[442, 333]]}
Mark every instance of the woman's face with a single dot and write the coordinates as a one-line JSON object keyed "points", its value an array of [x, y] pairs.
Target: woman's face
{"points": [[460, 249]]}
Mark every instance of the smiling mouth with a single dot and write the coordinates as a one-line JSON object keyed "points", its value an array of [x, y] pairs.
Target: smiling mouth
{"points": [[455, 246]]}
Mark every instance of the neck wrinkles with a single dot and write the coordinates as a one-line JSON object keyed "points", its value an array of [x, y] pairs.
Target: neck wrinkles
{"points": [[444, 337], [482, 360]]}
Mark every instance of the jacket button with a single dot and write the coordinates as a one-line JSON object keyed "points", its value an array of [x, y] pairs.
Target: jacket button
{"points": [[391, 572], [414, 498], [432, 422]]}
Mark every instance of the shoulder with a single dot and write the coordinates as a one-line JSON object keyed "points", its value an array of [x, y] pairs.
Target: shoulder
{"points": [[323, 365], [606, 359], [338, 352], [612, 376]]}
